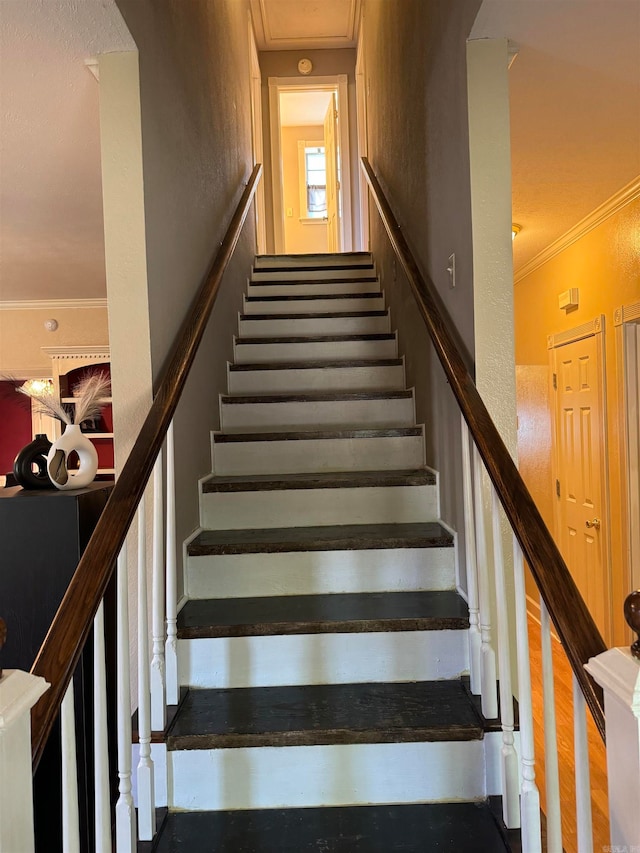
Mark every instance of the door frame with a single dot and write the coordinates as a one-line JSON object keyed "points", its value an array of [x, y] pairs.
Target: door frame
{"points": [[255, 81], [626, 320], [363, 135], [338, 83], [592, 328]]}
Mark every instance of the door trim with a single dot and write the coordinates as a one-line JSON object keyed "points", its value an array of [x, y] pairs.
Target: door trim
{"points": [[628, 383], [338, 82], [592, 328]]}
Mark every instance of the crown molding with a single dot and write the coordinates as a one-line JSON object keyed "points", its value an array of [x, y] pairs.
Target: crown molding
{"points": [[51, 304], [600, 214]]}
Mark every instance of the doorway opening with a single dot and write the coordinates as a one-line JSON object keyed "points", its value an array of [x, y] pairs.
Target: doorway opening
{"points": [[310, 165]]}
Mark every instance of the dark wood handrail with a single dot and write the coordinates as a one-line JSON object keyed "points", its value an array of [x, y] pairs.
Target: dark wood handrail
{"points": [[60, 652], [575, 626]]}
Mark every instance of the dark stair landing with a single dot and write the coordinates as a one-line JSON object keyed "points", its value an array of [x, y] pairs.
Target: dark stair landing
{"points": [[425, 828]]}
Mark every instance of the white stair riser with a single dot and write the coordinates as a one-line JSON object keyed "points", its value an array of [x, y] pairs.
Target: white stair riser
{"points": [[313, 275], [320, 572], [315, 350], [306, 456], [313, 507], [313, 287], [388, 377], [315, 414], [323, 659], [305, 306], [333, 775], [314, 260], [314, 326]]}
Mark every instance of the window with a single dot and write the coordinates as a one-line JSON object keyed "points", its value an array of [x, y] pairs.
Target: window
{"points": [[313, 181]]}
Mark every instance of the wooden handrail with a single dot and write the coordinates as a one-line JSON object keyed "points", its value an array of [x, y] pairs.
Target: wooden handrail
{"points": [[578, 632], [61, 649]]}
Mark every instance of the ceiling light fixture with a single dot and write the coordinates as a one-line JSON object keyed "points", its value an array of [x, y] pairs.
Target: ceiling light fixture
{"points": [[515, 230]]}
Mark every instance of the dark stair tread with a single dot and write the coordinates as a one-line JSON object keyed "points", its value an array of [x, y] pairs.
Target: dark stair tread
{"points": [[316, 315], [318, 339], [311, 297], [330, 613], [316, 365], [316, 397], [423, 828], [347, 537], [312, 435], [365, 265], [322, 714], [348, 480]]}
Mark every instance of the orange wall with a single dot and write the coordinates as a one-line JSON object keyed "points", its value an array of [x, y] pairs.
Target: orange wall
{"points": [[604, 265], [299, 237]]}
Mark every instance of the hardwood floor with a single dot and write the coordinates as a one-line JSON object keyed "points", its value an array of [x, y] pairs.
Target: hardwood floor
{"points": [[597, 754]]}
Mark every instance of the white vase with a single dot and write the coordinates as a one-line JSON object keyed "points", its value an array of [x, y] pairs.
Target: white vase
{"points": [[72, 439]]}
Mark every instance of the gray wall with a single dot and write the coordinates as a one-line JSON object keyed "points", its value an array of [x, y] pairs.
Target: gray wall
{"points": [[326, 63], [196, 131], [418, 142]]}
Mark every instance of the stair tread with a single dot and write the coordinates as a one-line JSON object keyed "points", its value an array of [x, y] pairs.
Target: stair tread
{"points": [[314, 435], [350, 480], [316, 365], [330, 537], [334, 613], [446, 827], [310, 297], [316, 397], [310, 339], [325, 714], [316, 315]]}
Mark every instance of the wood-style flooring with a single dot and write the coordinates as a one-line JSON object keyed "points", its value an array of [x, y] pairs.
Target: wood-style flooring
{"points": [[597, 755]]}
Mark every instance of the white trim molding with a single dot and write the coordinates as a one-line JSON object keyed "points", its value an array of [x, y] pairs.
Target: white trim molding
{"points": [[51, 304], [593, 327], [626, 314], [88, 353], [626, 195]]}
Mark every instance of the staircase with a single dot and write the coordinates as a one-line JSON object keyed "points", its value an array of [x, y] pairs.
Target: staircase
{"points": [[323, 647]]}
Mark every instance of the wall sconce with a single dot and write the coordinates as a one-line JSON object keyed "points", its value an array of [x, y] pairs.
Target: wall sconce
{"points": [[569, 300], [515, 230]]}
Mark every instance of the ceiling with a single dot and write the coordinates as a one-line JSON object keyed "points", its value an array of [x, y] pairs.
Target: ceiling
{"points": [[298, 109], [575, 90], [575, 109], [309, 24], [51, 233]]}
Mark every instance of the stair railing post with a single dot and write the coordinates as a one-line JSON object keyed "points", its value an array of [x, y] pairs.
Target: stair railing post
{"points": [[19, 692], [125, 811], [509, 765], [475, 637], [584, 823], [617, 671], [145, 770], [551, 771], [171, 646], [529, 794], [70, 811], [488, 657], [158, 693], [102, 776]]}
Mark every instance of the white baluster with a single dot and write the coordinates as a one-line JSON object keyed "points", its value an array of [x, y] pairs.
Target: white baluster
{"points": [[475, 638], [583, 786], [551, 774], [488, 657], [158, 701], [171, 647], [145, 770], [101, 740], [531, 833], [509, 767], [70, 814], [125, 811]]}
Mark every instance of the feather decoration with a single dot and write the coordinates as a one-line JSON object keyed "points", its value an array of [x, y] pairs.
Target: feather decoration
{"points": [[46, 403], [90, 393]]}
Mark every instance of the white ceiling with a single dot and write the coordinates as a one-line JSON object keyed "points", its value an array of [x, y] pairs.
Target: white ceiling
{"points": [[298, 109], [575, 108], [294, 24], [51, 234]]}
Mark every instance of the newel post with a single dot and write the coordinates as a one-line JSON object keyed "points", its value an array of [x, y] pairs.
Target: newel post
{"points": [[19, 692], [617, 671]]}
